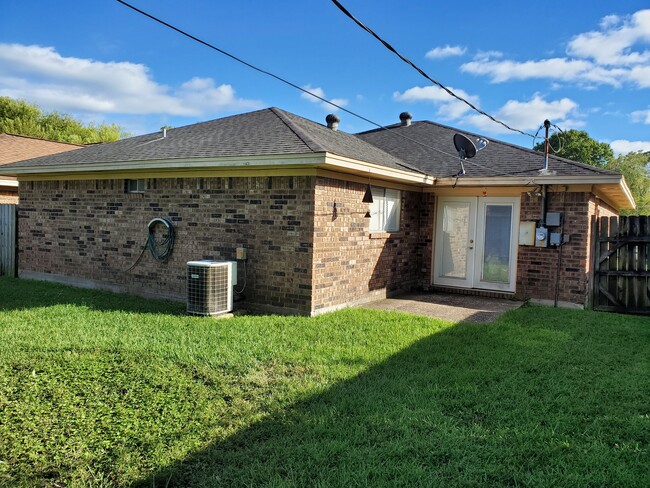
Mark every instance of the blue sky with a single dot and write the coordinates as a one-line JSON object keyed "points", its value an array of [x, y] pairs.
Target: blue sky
{"points": [[584, 65]]}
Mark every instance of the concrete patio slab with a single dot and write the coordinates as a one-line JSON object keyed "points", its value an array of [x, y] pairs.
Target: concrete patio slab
{"points": [[446, 306]]}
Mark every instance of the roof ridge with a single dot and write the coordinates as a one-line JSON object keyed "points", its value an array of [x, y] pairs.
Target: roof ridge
{"points": [[302, 135]]}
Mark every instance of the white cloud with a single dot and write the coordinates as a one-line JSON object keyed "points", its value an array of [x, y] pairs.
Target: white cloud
{"points": [[54, 82], [318, 91], [612, 44], [448, 106], [555, 68], [445, 52], [613, 55], [609, 21], [641, 116], [641, 76], [621, 146], [529, 115], [487, 55]]}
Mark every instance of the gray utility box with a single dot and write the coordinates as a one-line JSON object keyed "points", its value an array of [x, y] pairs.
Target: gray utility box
{"points": [[553, 219]]}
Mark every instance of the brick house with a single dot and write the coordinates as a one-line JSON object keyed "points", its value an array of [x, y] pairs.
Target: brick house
{"points": [[14, 148], [291, 192]]}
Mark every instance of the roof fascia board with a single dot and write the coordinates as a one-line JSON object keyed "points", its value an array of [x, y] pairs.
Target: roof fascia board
{"points": [[221, 173], [363, 179], [355, 166], [530, 180], [299, 161], [173, 173], [309, 159], [624, 199], [627, 191]]}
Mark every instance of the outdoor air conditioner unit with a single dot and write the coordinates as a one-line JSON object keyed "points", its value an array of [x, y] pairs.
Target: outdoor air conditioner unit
{"points": [[210, 286]]}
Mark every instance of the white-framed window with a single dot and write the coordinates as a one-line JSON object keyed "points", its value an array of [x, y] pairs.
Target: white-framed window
{"points": [[135, 186], [385, 210]]}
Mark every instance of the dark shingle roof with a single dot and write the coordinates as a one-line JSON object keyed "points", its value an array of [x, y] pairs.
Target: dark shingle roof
{"points": [[423, 147], [265, 132], [430, 148]]}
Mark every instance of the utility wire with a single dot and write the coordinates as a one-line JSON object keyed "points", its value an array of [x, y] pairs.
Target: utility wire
{"points": [[297, 87], [259, 70], [419, 70]]}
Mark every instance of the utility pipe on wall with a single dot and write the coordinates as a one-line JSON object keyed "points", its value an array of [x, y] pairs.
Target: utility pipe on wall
{"points": [[547, 126], [542, 217]]}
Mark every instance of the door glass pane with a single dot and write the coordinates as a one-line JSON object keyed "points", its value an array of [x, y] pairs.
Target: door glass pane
{"points": [[455, 230], [496, 252]]}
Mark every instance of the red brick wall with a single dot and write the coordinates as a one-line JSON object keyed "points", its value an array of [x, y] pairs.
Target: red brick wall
{"points": [[425, 241], [349, 264], [562, 272], [93, 230]]}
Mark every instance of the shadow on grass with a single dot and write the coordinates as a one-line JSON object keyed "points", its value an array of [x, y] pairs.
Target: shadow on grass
{"points": [[20, 294], [474, 405]]}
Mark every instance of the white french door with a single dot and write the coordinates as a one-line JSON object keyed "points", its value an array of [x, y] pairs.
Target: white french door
{"points": [[476, 242]]}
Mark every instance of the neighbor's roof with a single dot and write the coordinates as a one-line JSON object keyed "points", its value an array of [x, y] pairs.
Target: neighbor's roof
{"points": [[261, 133], [15, 147], [429, 147]]}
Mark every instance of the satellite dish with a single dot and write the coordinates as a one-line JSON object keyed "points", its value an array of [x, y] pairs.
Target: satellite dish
{"points": [[465, 147]]}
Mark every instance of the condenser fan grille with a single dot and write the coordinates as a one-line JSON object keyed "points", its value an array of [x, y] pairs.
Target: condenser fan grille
{"points": [[209, 287]]}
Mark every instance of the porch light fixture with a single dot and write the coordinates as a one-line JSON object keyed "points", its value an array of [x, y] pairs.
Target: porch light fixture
{"points": [[367, 197]]}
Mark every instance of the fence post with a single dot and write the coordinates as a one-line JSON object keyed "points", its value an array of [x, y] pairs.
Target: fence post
{"points": [[591, 281]]}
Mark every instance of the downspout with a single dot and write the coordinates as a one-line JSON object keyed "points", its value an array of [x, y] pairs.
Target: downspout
{"points": [[542, 220], [542, 217], [547, 126]]}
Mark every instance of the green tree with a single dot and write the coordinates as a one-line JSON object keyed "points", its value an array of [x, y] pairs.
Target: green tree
{"points": [[576, 145], [24, 118], [635, 166]]}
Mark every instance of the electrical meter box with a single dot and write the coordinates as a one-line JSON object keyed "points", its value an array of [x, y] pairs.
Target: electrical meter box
{"points": [[541, 237]]}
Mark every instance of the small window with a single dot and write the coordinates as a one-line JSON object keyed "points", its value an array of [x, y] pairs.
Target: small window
{"points": [[135, 186], [385, 210]]}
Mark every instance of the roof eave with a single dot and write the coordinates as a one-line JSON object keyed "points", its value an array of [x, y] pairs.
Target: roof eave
{"points": [[8, 183], [166, 164], [610, 187], [362, 168], [322, 160]]}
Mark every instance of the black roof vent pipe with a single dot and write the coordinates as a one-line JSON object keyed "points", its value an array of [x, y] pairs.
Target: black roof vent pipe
{"points": [[405, 118], [333, 121]]}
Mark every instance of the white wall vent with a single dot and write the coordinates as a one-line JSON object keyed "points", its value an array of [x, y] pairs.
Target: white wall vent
{"points": [[210, 286]]}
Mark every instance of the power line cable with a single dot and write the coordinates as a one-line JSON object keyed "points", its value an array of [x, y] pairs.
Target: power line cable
{"points": [[293, 85], [419, 70], [246, 63]]}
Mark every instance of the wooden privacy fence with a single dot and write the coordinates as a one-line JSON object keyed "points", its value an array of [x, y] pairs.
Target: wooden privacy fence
{"points": [[8, 240], [621, 248]]}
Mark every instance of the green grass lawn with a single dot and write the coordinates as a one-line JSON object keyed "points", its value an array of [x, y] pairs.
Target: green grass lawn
{"points": [[100, 390]]}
